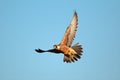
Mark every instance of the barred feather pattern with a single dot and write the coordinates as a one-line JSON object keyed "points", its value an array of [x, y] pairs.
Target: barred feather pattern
{"points": [[74, 57]]}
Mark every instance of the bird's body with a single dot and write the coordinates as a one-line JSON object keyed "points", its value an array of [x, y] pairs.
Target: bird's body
{"points": [[66, 50], [71, 53]]}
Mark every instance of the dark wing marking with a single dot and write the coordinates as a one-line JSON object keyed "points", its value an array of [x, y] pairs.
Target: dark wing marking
{"points": [[54, 51], [39, 50], [51, 50]]}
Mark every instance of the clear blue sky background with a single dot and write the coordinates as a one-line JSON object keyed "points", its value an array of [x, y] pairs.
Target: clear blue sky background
{"points": [[29, 24]]}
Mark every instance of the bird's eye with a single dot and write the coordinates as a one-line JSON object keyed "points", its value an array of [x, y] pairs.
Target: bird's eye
{"points": [[55, 46]]}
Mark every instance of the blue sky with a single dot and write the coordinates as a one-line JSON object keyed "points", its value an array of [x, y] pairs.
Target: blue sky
{"points": [[29, 24]]}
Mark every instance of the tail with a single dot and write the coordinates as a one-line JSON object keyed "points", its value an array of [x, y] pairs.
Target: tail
{"points": [[74, 57]]}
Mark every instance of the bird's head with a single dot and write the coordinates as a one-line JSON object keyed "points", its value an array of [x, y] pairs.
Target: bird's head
{"points": [[57, 47]]}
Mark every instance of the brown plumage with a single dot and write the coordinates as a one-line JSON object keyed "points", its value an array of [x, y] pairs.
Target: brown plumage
{"points": [[71, 53]]}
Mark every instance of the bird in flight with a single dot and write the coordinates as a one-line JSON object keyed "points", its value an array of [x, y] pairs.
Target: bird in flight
{"points": [[71, 53]]}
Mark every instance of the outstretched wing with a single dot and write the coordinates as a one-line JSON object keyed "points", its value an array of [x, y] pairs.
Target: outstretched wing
{"points": [[51, 50], [71, 31]]}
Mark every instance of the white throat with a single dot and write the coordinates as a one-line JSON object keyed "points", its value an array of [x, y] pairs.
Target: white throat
{"points": [[58, 47]]}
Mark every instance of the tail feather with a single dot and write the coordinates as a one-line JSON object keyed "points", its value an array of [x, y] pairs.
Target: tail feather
{"points": [[69, 59], [66, 59], [74, 57], [78, 48], [77, 56]]}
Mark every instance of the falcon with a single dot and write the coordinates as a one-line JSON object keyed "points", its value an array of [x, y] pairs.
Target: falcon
{"points": [[71, 53]]}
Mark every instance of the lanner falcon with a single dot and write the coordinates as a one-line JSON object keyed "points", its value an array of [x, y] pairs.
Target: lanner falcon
{"points": [[71, 53]]}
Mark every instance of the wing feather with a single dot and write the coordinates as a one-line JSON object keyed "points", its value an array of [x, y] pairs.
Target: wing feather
{"points": [[51, 50], [71, 31]]}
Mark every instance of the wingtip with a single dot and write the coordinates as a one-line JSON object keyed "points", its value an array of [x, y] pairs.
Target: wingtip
{"points": [[39, 50], [75, 13]]}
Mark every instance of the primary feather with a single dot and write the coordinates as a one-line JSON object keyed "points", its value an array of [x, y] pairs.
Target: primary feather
{"points": [[71, 31]]}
